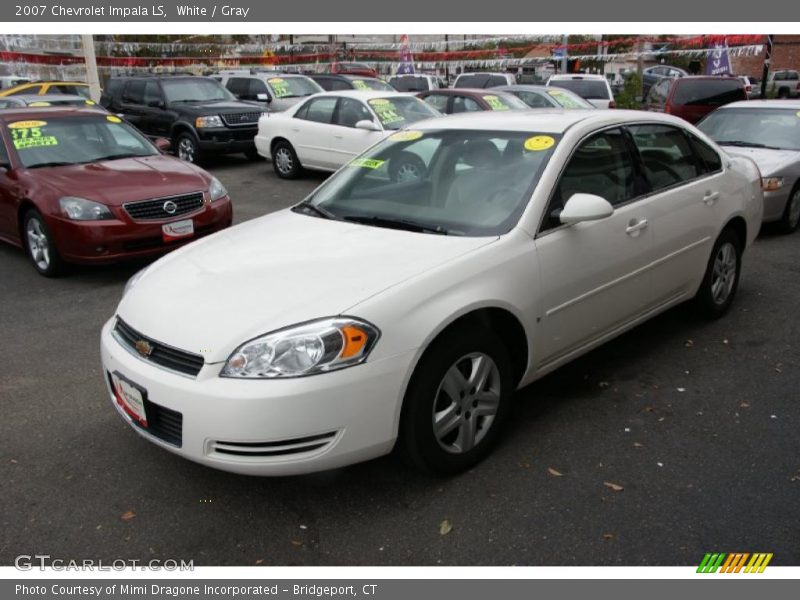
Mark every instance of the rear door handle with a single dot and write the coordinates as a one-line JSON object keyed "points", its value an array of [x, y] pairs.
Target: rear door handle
{"points": [[635, 226], [710, 198]]}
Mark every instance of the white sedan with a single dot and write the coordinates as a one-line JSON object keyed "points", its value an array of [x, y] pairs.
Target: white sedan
{"points": [[377, 314], [329, 130]]}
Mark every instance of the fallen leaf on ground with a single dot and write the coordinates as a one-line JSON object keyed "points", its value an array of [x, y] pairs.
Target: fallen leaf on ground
{"points": [[128, 515], [297, 543], [689, 343], [525, 465], [613, 486], [554, 473], [609, 536], [681, 389], [744, 405], [638, 445], [259, 561], [445, 527], [603, 384]]}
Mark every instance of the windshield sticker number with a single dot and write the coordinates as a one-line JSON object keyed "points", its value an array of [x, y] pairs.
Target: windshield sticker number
{"points": [[539, 142], [360, 85], [495, 103], [31, 137], [366, 163], [386, 111], [279, 87]]}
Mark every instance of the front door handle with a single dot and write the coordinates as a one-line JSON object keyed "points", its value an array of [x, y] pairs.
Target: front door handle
{"points": [[710, 198], [338, 137], [634, 226]]}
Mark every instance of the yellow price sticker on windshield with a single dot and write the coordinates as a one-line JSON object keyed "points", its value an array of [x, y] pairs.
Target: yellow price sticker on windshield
{"points": [[27, 124], [495, 103], [90, 102], [798, 113], [35, 142], [360, 85], [405, 136], [539, 142], [275, 80], [380, 102], [366, 163], [113, 119], [555, 92], [40, 103]]}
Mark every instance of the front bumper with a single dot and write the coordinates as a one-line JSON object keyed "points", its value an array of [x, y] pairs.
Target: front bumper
{"points": [[225, 140], [775, 203], [267, 427], [101, 242]]}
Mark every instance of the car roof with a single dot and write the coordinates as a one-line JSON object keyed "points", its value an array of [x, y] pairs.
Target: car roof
{"points": [[486, 73], [543, 119], [751, 104], [468, 91], [10, 115], [366, 94], [523, 87], [47, 97]]}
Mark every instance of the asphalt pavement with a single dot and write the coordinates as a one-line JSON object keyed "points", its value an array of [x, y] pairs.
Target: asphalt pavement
{"points": [[677, 439]]}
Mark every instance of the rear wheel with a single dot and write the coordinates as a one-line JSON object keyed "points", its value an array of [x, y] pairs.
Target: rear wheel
{"points": [[791, 214], [40, 246], [721, 280], [457, 401], [284, 161]]}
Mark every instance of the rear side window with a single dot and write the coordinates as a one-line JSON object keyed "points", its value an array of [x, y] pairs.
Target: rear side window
{"points": [[319, 110], [437, 101], [464, 104], [28, 90], [134, 92], [409, 84], [496, 80], [336, 85], [113, 87], [590, 89], [534, 100], [708, 92], [666, 154]]}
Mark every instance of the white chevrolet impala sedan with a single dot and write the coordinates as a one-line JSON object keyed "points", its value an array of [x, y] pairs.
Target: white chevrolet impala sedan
{"points": [[380, 313]]}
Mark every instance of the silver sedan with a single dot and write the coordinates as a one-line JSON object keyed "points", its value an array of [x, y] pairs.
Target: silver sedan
{"points": [[768, 132]]}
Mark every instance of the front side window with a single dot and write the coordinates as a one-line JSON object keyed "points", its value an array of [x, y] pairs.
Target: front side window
{"points": [[456, 182], [465, 104], [534, 100], [201, 89], [438, 101], [602, 166], [352, 111], [667, 157]]}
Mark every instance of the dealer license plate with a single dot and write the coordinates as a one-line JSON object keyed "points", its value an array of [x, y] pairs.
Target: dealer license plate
{"points": [[177, 230], [130, 397]]}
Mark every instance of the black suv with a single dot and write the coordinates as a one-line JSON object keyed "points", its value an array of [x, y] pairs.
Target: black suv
{"points": [[197, 114]]}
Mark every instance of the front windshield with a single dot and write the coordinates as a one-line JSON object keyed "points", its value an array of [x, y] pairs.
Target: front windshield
{"points": [[754, 127], [370, 83], [194, 90], [57, 141], [454, 182], [399, 111], [293, 87]]}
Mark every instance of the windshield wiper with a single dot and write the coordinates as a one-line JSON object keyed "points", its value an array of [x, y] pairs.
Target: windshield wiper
{"points": [[742, 144], [122, 155], [395, 224], [55, 163], [317, 210]]}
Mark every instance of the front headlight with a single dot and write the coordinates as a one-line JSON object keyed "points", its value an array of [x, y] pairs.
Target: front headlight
{"points": [[81, 209], [306, 349], [212, 121], [216, 190], [770, 184]]}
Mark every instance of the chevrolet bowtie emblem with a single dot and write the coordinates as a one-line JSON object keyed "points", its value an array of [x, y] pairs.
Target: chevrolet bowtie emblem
{"points": [[143, 347]]}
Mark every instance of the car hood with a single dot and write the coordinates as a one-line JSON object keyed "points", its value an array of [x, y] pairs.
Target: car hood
{"points": [[273, 272], [114, 182], [216, 107], [768, 161]]}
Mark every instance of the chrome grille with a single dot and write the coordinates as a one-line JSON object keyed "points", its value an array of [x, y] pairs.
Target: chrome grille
{"points": [[243, 118], [155, 209], [160, 354]]}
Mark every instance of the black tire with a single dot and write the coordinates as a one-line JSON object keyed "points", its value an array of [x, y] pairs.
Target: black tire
{"points": [[284, 161], [407, 166], [187, 148], [791, 213], [783, 93], [716, 293], [427, 394], [252, 154], [43, 253]]}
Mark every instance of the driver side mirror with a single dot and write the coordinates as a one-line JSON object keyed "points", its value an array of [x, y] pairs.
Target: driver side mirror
{"points": [[367, 125], [585, 207], [263, 98], [156, 104], [163, 144]]}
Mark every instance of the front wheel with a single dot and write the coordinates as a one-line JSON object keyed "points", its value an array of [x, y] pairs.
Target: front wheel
{"points": [[791, 214], [40, 246], [457, 401], [721, 279], [187, 148]]}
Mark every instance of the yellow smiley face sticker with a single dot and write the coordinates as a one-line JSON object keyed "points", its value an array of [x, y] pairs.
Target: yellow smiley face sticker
{"points": [[27, 124], [89, 102], [113, 119], [539, 142], [405, 136]]}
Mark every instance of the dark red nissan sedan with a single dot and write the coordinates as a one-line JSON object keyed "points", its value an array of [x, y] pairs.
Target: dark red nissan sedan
{"points": [[80, 186]]}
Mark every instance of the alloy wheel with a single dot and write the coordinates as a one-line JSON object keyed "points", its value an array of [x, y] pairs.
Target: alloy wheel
{"points": [[38, 244], [724, 274], [284, 161]]}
